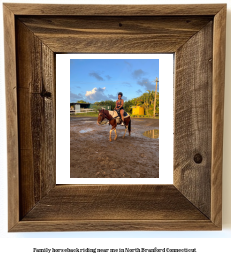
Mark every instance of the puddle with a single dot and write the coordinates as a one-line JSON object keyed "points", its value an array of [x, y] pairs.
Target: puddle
{"points": [[86, 130], [153, 134]]}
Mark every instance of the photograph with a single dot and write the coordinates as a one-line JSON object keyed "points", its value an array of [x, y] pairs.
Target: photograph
{"points": [[114, 118]]}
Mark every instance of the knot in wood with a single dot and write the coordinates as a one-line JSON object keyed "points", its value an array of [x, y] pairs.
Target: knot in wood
{"points": [[45, 94], [198, 158]]}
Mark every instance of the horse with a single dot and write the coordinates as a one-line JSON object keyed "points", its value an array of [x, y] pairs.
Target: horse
{"points": [[112, 121]]}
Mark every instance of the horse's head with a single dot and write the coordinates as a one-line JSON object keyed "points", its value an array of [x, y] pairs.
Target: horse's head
{"points": [[101, 117]]}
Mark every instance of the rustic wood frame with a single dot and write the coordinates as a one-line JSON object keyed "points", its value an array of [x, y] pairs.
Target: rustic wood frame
{"points": [[33, 34]]}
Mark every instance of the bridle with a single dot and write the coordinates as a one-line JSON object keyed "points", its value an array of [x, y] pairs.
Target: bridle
{"points": [[105, 116], [101, 116]]}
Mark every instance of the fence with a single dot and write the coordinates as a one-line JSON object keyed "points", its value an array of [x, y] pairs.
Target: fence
{"points": [[91, 109]]}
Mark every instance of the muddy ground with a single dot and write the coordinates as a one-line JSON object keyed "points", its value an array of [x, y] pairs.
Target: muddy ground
{"points": [[92, 155]]}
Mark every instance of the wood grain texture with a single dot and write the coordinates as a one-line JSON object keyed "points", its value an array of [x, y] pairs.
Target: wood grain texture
{"points": [[218, 114], [114, 207], [114, 202], [115, 10], [114, 225], [115, 34], [77, 25], [36, 109], [11, 116], [193, 125]]}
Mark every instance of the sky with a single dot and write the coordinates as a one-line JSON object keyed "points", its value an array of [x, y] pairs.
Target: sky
{"points": [[94, 80]]}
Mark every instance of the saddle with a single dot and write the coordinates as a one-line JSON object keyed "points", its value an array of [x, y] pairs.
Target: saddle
{"points": [[116, 115]]}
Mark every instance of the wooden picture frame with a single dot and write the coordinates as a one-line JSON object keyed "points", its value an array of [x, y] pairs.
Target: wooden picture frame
{"points": [[33, 34]]}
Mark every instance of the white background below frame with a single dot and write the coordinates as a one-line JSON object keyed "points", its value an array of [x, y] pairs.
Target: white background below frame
{"points": [[63, 120]]}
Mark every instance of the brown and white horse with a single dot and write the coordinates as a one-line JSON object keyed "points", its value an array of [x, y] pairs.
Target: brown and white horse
{"points": [[112, 121]]}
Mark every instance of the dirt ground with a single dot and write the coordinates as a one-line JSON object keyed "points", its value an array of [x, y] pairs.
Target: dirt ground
{"points": [[92, 155]]}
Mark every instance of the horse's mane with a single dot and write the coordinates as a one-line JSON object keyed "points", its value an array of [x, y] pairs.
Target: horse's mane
{"points": [[106, 112]]}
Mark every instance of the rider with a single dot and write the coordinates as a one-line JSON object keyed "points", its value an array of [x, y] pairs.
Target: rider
{"points": [[119, 106]]}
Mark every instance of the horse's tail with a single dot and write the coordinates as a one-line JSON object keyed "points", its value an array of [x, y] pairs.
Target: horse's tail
{"points": [[129, 126]]}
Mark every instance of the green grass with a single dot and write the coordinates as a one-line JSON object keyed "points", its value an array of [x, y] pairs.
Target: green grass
{"points": [[89, 114]]}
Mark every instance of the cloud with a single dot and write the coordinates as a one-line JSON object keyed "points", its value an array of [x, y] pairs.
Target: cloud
{"points": [[127, 84], [96, 94], [138, 73], [128, 65], [139, 91], [75, 97], [147, 84], [96, 75], [74, 86], [113, 97], [108, 77]]}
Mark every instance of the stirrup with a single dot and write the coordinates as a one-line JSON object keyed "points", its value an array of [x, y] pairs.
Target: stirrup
{"points": [[122, 123]]}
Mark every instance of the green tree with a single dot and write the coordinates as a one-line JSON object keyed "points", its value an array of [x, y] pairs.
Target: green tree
{"points": [[128, 105], [106, 103]]}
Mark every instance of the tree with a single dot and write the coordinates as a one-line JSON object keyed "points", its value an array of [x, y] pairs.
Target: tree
{"points": [[81, 101], [128, 105], [106, 103]]}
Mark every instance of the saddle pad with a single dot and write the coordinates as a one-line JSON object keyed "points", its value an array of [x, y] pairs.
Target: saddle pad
{"points": [[126, 114], [114, 114]]}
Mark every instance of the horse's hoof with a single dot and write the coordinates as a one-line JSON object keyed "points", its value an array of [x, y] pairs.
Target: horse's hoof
{"points": [[109, 140], [123, 137]]}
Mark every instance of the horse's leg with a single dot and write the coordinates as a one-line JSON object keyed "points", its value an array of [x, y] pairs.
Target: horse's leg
{"points": [[115, 134], [113, 123], [129, 125], [114, 126], [126, 126], [125, 131], [110, 134]]}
